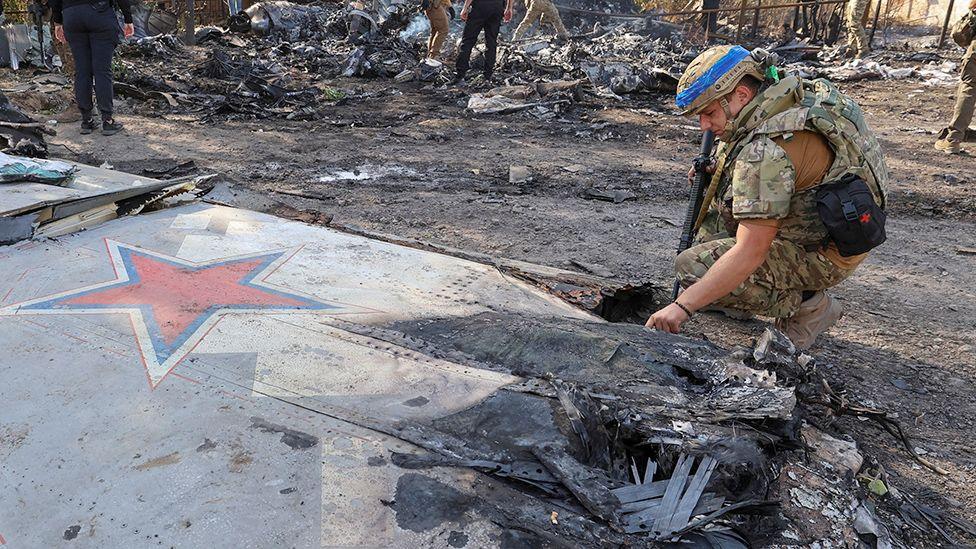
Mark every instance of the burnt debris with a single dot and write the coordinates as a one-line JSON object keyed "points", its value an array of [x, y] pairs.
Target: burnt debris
{"points": [[20, 134], [617, 435], [280, 59], [653, 435]]}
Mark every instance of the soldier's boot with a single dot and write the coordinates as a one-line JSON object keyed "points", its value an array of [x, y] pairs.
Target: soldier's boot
{"points": [[947, 146], [815, 316], [735, 314]]}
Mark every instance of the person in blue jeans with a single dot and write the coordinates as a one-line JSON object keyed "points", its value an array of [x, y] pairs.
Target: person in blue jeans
{"points": [[235, 6], [91, 30]]}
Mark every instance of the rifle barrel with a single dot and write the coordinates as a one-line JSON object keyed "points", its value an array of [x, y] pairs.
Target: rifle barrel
{"points": [[702, 178]]}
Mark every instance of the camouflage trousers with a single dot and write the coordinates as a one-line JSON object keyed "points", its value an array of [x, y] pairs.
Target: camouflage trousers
{"points": [[545, 13], [962, 115], [854, 15], [777, 286]]}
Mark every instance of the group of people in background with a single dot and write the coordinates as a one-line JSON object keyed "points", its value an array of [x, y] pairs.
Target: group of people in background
{"points": [[488, 15], [91, 30], [485, 16]]}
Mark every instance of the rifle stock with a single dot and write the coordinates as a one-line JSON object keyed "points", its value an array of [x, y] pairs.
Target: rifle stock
{"points": [[702, 179]]}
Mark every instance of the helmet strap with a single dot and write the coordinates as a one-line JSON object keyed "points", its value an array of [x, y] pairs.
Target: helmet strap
{"points": [[729, 126], [725, 107]]}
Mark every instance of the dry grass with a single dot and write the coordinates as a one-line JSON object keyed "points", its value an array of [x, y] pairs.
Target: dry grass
{"points": [[11, 9]]}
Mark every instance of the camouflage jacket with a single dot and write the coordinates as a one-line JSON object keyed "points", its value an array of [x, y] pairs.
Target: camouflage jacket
{"points": [[754, 178]]}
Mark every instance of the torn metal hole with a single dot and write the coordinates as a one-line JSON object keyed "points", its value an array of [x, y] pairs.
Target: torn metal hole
{"points": [[634, 304]]}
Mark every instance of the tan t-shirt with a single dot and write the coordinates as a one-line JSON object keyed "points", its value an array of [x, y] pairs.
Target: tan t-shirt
{"points": [[811, 157]]}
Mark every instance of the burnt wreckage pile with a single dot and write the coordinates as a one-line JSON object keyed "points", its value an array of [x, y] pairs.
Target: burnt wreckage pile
{"points": [[20, 134], [284, 60], [614, 436], [274, 59], [273, 66], [625, 435]]}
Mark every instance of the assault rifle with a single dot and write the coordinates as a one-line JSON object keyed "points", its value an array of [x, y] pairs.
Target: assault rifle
{"points": [[698, 186]]}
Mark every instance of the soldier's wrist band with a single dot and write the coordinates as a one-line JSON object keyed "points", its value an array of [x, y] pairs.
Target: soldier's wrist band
{"points": [[683, 308]]}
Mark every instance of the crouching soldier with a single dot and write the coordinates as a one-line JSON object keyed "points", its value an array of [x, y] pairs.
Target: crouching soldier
{"points": [[795, 201]]}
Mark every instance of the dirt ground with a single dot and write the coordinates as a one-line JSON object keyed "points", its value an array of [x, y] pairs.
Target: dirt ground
{"points": [[409, 161]]}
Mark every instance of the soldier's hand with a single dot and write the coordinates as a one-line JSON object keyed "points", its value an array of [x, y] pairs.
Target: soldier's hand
{"points": [[691, 172], [668, 319], [59, 33], [508, 15], [128, 30], [464, 14]]}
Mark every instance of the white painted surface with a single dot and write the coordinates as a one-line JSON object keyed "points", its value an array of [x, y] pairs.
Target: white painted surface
{"points": [[92, 437], [87, 182]]}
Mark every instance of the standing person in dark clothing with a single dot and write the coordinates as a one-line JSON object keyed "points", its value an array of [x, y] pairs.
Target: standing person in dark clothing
{"points": [[91, 29], [709, 21], [478, 15]]}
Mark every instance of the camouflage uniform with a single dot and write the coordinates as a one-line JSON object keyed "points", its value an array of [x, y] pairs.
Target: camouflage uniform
{"points": [[962, 115], [777, 286], [754, 180], [544, 12], [854, 17]]}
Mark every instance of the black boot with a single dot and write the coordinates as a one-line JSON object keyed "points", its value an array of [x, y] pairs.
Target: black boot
{"points": [[87, 124], [110, 126]]}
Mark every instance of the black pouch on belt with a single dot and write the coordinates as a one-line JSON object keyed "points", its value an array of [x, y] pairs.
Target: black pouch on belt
{"points": [[853, 219]]}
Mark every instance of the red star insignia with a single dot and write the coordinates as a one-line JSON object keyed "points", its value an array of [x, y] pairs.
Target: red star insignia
{"points": [[173, 302]]}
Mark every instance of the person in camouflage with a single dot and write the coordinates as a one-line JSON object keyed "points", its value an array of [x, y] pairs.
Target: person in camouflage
{"points": [[544, 12], [951, 138], [855, 15], [761, 247]]}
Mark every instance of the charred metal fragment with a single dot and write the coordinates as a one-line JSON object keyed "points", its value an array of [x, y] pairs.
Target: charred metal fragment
{"points": [[599, 448], [20, 134], [597, 396], [521, 470], [589, 485]]}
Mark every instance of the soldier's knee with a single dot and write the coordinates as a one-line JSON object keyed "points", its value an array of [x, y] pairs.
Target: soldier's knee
{"points": [[688, 266]]}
